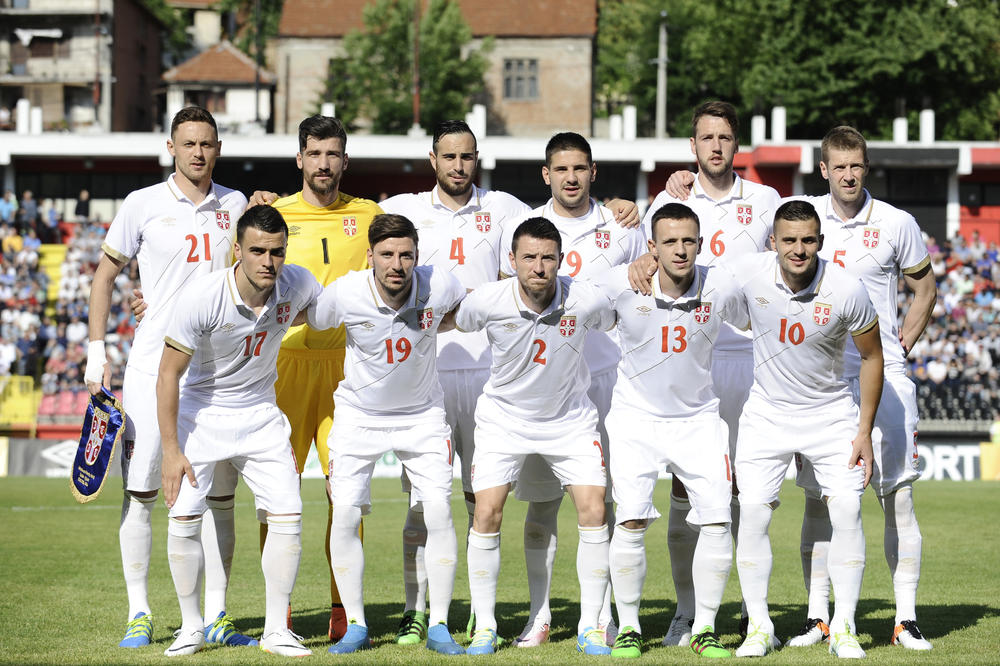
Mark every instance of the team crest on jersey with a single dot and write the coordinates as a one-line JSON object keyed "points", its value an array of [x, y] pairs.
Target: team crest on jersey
{"points": [[744, 214], [284, 312], [351, 226], [222, 219], [98, 428], [870, 237], [821, 313], [426, 318], [567, 325], [702, 313], [483, 222], [602, 239]]}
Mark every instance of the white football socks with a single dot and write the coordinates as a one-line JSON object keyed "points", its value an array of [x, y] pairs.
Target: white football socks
{"points": [[135, 537], [592, 571], [713, 557], [627, 556], [681, 541], [754, 561], [348, 561], [218, 539], [846, 560], [187, 566], [540, 540], [814, 548], [484, 570], [441, 560], [280, 564], [903, 546], [414, 569]]}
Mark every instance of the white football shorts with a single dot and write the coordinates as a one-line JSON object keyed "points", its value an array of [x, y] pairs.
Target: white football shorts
{"points": [[732, 377]]}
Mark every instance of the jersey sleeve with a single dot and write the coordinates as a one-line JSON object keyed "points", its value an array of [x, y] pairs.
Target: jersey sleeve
{"points": [[454, 291], [125, 233], [472, 312], [858, 314], [911, 254], [323, 313], [731, 304], [308, 287], [189, 322], [636, 244], [612, 282]]}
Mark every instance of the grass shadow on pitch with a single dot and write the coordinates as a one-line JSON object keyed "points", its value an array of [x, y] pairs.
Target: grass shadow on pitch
{"points": [[875, 617]]}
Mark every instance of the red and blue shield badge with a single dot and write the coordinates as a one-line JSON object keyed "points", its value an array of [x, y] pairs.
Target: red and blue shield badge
{"points": [[702, 313], [351, 226], [870, 237], [567, 325], [284, 312], [744, 214], [103, 427], [821, 313], [602, 239], [426, 318], [222, 219], [483, 222]]}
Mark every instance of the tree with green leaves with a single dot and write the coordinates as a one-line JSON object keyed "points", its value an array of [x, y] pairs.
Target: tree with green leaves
{"points": [[247, 13], [853, 63], [373, 81]]}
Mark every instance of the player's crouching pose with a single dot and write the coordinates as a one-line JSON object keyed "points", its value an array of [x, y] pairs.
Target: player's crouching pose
{"points": [[536, 402], [802, 309], [664, 412], [390, 400], [226, 333]]}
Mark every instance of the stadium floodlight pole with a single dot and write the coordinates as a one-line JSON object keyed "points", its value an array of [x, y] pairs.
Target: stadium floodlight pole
{"points": [[661, 79]]}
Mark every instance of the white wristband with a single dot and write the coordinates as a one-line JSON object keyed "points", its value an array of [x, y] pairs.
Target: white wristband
{"points": [[96, 360]]}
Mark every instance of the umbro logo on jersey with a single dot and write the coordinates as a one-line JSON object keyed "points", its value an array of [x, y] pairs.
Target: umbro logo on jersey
{"points": [[168, 221], [294, 230], [762, 302], [602, 239], [351, 226], [567, 325], [870, 237], [222, 219], [821, 313], [643, 309], [483, 221], [368, 325], [510, 328], [225, 328], [744, 214]]}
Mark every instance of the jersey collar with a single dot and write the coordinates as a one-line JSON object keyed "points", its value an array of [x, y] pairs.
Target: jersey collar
{"points": [[864, 214], [693, 292], [475, 201], [234, 293], [558, 300], [736, 192], [412, 301], [180, 196]]}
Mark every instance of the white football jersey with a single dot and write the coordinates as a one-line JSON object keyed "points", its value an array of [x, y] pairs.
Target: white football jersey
{"points": [[174, 241], [735, 226], [234, 352], [666, 365], [799, 338], [467, 243], [538, 371], [876, 246], [390, 369], [591, 245]]}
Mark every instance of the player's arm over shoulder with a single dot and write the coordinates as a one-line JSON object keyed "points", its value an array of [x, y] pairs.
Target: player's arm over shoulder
{"points": [[305, 290], [730, 302], [327, 310], [473, 313]]}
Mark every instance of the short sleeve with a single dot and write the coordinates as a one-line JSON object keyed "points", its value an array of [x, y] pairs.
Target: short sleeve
{"points": [[125, 233], [323, 313], [612, 282], [454, 291], [471, 314], [189, 322], [636, 244], [858, 314], [911, 255], [729, 299]]}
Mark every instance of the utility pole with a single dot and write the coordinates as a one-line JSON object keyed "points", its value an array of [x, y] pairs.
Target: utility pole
{"points": [[256, 70], [661, 79], [416, 65]]}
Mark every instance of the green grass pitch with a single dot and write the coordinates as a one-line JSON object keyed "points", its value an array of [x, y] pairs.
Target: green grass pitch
{"points": [[62, 600]]}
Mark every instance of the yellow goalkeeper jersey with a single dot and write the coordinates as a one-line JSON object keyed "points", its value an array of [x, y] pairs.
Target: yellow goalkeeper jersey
{"points": [[329, 242]]}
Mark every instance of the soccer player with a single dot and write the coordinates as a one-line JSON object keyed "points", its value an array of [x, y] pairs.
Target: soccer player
{"points": [[876, 243], [224, 343], [736, 217], [664, 413], [460, 227], [593, 243], [178, 230], [391, 400], [328, 234], [536, 402], [802, 310]]}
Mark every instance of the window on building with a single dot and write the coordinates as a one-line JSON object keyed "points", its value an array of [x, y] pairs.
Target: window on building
{"points": [[212, 100], [520, 78]]}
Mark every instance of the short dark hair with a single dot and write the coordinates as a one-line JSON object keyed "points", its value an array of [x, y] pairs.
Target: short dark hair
{"points": [[265, 218], [843, 137], [391, 226], [717, 109], [567, 141], [536, 227], [192, 114], [446, 127], [673, 211], [319, 128], [796, 210]]}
